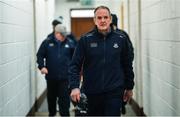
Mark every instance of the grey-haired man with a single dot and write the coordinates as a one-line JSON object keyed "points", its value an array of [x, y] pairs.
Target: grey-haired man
{"points": [[107, 58], [53, 58]]}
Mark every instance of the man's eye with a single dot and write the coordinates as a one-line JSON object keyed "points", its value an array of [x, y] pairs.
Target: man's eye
{"points": [[106, 17], [99, 18]]}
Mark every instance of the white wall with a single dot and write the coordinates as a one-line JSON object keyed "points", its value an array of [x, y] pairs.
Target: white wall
{"points": [[160, 48], [44, 17], [19, 41], [161, 61], [135, 35], [62, 8], [132, 27], [16, 43], [125, 14]]}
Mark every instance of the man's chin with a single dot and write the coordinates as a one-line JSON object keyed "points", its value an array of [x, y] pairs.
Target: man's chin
{"points": [[103, 29]]}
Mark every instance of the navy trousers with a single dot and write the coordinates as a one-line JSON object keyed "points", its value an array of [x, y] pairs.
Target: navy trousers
{"points": [[105, 104], [57, 91]]}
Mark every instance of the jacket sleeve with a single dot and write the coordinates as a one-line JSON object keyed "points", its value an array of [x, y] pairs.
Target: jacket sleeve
{"points": [[41, 55], [75, 65], [128, 57]]}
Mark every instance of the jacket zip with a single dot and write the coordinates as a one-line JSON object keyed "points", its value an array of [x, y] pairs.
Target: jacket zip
{"points": [[104, 60]]}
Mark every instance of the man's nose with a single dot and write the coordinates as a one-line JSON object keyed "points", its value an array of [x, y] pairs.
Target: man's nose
{"points": [[102, 19]]}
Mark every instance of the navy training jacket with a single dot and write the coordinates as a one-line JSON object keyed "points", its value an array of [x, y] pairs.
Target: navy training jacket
{"points": [[106, 60], [56, 57]]}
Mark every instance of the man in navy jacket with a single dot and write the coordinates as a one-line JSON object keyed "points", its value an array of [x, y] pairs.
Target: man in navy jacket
{"points": [[106, 58], [53, 58]]}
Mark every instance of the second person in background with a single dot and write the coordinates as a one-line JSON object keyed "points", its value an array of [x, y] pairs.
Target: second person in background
{"points": [[53, 58]]}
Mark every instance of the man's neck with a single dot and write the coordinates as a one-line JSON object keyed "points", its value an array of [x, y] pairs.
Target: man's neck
{"points": [[105, 32]]}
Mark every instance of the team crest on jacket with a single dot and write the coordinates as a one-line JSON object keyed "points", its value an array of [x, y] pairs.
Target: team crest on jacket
{"points": [[51, 44], [66, 46], [93, 45], [115, 45]]}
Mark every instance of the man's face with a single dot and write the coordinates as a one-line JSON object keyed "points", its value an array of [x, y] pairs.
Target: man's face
{"points": [[102, 19], [59, 36]]}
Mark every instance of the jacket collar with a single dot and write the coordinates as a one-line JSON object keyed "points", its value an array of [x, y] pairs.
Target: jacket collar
{"points": [[100, 34]]}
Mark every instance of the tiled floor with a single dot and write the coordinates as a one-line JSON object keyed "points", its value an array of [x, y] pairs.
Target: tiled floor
{"points": [[43, 110]]}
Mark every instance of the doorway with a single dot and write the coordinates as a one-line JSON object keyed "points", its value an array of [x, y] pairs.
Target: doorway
{"points": [[81, 21], [80, 26]]}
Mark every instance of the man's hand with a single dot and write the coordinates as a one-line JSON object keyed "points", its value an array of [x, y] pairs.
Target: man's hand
{"points": [[75, 95], [127, 95], [44, 70]]}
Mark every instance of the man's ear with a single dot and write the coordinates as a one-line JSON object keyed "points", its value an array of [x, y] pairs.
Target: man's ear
{"points": [[111, 18], [94, 20]]}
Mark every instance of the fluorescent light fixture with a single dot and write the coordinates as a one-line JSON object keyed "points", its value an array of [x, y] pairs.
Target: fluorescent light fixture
{"points": [[82, 13]]}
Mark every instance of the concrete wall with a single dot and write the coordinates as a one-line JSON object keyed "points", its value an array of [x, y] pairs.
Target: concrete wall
{"points": [[161, 61], [158, 54], [20, 36], [43, 17], [62, 8], [16, 58], [135, 35], [131, 12]]}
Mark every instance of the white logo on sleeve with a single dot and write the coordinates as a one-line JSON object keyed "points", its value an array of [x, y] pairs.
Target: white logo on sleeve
{"points": [[115, 45], [51, 44], [93, 45]]}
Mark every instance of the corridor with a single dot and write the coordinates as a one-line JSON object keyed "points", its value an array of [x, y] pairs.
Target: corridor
{"points": [[43, 110], [152, 25]]}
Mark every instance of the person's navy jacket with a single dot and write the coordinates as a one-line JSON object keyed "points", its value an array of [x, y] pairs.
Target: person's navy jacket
{"points": [[56, 57], [107, 62]]}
